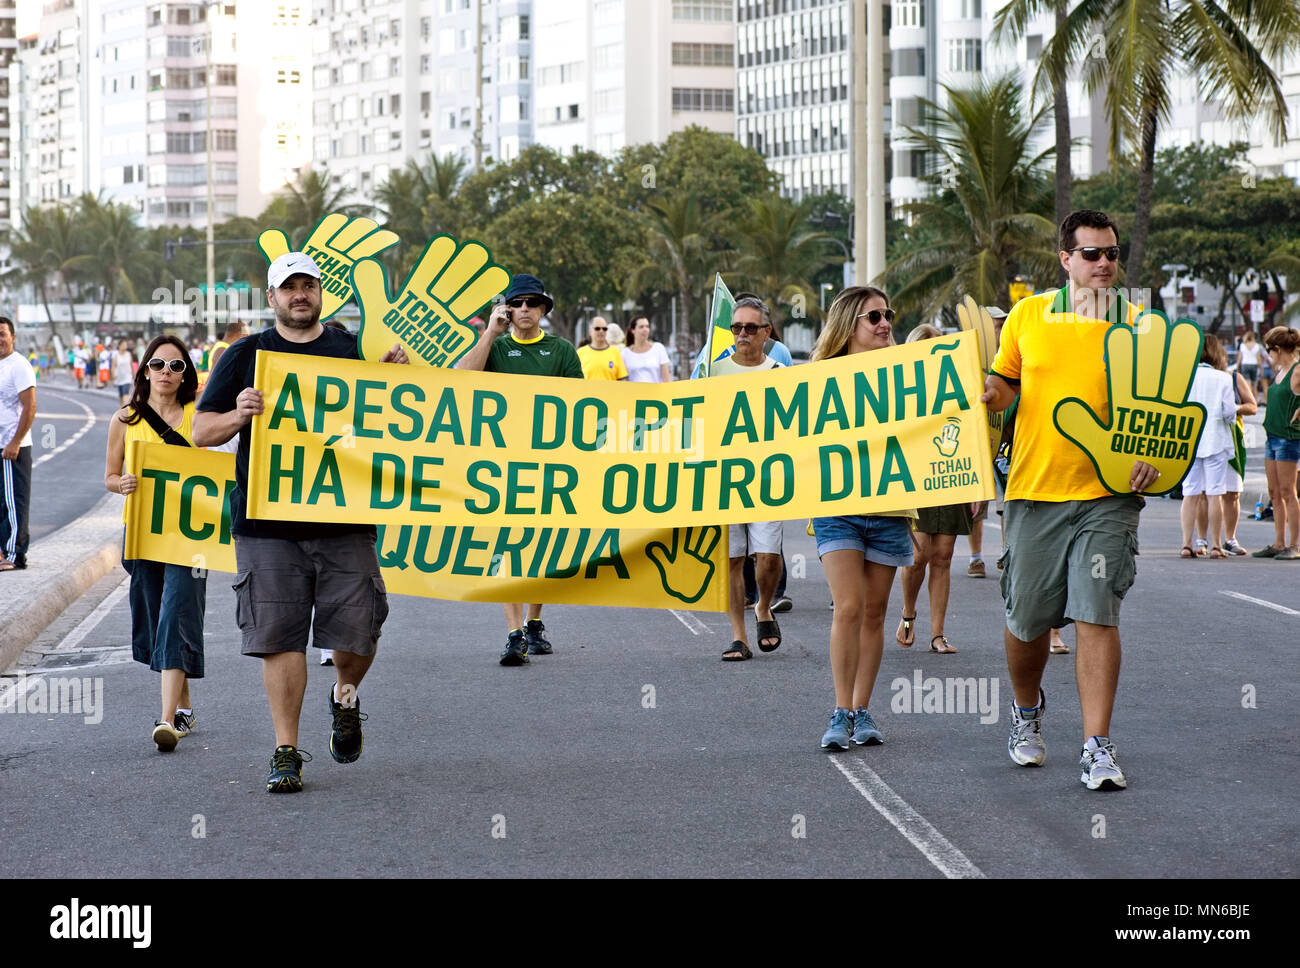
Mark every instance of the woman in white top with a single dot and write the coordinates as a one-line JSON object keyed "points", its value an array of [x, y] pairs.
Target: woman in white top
{"points": [[1248, 351], [1208, 477], [645, 359]]}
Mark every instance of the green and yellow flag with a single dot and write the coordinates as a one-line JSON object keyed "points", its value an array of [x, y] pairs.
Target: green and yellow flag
{"points": [[719, 342]]}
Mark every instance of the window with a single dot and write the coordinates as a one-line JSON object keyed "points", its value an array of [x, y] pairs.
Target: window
{"points": [[909, 13], [709, 11], [704, 55], [703, 99], [909, 62], [964, 55], [964, 9], [1033, 46]]}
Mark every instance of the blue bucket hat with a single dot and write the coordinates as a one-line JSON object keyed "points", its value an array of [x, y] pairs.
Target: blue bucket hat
{"points": [[522, 284]]}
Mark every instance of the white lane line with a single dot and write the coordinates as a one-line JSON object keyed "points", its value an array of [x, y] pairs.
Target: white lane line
{"points": [[935, 847], [90, 422], [66, 416], [1259, 601], [91, 621], [693, 624]]}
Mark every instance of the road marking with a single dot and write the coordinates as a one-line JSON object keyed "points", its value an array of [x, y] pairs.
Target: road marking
{"points": [[67, 416], [1259, 601], [693, 624], [935, 847], [91, 621], [90, 422]]}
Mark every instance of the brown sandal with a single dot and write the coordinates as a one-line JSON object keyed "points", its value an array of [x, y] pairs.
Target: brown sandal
{"points": [[906, 635], [1187, 552], [947, 648]]}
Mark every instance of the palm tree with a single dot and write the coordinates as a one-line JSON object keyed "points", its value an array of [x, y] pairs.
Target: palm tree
{"points": [[300, 205], [780, 253], [989, 222], [116, 241], [1134, 50], [415, 202], [52, 243], [680, 252]]}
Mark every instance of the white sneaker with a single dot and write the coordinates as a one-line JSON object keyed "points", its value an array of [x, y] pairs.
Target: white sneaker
{"points": [[1100, 771], [327, 657], [1025, 744]]}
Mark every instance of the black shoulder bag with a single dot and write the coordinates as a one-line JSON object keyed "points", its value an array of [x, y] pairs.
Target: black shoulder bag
{"points": [[159, 425]]}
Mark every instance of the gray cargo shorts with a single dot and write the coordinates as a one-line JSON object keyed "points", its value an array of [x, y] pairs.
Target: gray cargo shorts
{"points": [[328, 586], [1068, 561]]}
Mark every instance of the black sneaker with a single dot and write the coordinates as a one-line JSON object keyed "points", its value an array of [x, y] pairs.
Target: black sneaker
{"points": [[345, 734], [20, 561], [537, 644], [286, 770], [782, 604], [516, 652], [185, 722]]}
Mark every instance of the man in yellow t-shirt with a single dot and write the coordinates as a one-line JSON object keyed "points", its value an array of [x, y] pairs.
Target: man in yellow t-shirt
{"points": [[1070, 543], [600, 360]]}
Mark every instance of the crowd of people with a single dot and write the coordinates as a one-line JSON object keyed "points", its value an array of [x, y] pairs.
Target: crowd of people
{"points": [[319, 582]]}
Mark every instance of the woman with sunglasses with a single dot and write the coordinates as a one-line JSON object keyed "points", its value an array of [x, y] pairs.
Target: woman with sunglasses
{"points": [[859, 553], [1282, 451], [167, 601]]}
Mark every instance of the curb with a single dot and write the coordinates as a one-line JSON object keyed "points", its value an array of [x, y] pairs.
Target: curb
{"points": [[65, 565]]}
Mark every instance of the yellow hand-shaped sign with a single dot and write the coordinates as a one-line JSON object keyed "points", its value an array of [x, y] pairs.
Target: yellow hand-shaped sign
{"points": [[970, 315], [1149, 370], [336, 243], [450, 282]]}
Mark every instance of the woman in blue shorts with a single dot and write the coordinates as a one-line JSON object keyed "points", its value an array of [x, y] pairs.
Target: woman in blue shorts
{"points": [[859, 553], [1282, 449]]}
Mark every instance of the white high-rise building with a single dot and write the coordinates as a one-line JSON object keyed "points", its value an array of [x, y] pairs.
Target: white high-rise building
{"points": [[611, 73], [8, 53]]}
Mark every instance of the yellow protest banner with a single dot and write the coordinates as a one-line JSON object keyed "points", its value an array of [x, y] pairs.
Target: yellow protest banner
{"points": [[180, 514], [372, 443]]}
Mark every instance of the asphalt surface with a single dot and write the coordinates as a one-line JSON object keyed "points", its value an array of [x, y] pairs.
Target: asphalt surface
{"points": [[716, 779]]}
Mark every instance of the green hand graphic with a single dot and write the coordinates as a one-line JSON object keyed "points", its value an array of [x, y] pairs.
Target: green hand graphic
{"points": [[430, 313], [946, 442], [336, 243], [1149, 371], [695, 569]]}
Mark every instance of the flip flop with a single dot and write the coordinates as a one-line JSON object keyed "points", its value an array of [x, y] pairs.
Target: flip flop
{"points": [[738, 652], [946, 647], [906, 635], [769, 630]]}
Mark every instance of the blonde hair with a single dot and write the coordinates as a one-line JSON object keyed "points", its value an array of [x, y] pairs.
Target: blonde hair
{"points": [[924, 331], [842, 320]]}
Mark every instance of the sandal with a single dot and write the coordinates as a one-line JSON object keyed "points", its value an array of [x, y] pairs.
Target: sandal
{"points": [[1216, 552], [906, 635], [947, 648], [1187, 552], [1058, 646], [769, 630], [738, 652], [6, 564]]}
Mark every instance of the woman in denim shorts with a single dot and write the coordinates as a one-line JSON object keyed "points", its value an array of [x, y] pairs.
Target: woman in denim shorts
{"points": [[1282, 451], [859, 553]]}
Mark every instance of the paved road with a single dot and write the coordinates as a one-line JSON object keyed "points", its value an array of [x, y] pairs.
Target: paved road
{"points": [[566, 759]]}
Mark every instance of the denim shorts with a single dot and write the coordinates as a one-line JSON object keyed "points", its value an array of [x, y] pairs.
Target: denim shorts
{"points": [[885, 541], [1279, 448]]}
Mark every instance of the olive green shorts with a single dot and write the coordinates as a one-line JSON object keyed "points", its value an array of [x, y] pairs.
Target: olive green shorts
{"points": [[1067, 561]]}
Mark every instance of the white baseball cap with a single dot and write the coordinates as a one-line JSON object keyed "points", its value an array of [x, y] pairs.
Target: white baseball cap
{"points": [[291, 264]]}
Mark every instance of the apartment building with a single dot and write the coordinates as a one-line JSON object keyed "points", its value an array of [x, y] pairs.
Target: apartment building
{"points": [[611, 73], [8, 54]]}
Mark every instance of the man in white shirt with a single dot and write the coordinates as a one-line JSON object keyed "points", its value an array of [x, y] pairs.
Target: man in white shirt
{"points": [[750, 326], [17, 411]]}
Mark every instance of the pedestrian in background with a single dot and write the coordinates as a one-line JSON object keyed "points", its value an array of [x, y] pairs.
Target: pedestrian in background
{"points": [[646, 359], [859, 553], [600, 360], [17, 412], [167, 601], [1282, 450], [1207, 478]]}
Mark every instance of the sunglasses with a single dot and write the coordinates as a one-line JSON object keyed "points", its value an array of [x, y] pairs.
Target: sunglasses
{"points": [[1092, 253], [532, 302], [599, 329], [157, 363], [749, 329], [875, 315]]}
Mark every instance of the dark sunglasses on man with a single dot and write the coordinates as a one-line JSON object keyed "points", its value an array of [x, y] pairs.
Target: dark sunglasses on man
{"points": [[157, 363], [1091, 253], [749, 329], [532, 302]]}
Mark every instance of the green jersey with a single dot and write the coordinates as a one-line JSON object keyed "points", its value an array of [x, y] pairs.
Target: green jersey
{"points": [[1282, 403], [547, 356]]}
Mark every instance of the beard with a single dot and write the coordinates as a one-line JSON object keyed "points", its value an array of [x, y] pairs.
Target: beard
{"points": [[285, 317]]}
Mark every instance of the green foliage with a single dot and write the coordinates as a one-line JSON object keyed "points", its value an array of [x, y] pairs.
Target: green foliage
{"points": [[779, 254]]}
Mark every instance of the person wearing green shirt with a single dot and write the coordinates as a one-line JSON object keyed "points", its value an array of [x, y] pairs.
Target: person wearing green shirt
{"points": [[1282, 450], [513, 342]]}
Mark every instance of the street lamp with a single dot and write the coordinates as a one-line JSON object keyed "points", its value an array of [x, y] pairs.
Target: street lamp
{"points": [[824, 288]]}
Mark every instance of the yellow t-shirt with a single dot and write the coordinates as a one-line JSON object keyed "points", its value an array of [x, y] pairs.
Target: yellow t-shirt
{"points": [[142, 432], [606, 364], [1054, 354]]}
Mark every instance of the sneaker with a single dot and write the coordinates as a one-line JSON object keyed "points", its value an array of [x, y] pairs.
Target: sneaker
{"points": [[1268, 551], [1287, 554], [1025, 743], [1232, 547], [345, 734], [837, 735], [327, 657], [166, 736], [865, 731], [516, 652], [184, 723], [1202, 548], [976, 569], [20, 562], [536, 641], [782, 604], [1100, 771], [286, 770]]}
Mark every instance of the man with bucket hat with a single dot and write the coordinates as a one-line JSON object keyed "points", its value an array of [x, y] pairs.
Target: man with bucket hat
{"points": [[513, 342]]}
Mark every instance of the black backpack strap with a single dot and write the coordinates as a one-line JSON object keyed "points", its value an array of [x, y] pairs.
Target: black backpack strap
{"points": [[155, 420]]}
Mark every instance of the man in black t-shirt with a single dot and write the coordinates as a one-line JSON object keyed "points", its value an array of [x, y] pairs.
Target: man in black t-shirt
{"points": [[296, 576]]}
